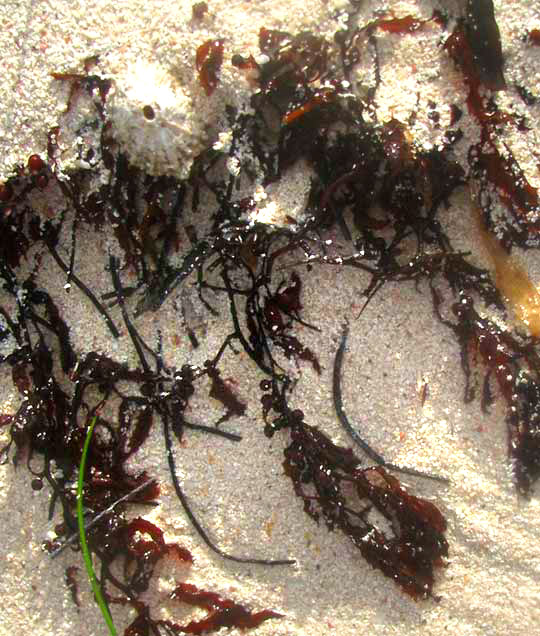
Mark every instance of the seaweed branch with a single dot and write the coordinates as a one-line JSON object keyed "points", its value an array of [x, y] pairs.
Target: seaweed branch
{"points": [[353, 433]]}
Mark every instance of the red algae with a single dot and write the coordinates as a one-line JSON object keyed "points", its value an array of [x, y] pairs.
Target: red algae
{"points": [[534, 37], [208, 61], [369, 176]]}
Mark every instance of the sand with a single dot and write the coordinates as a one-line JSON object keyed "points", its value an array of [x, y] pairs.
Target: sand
{"points": [[491, 584]]}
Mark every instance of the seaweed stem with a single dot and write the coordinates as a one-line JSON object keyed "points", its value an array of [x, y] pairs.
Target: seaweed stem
{"points": [[86, 291], [196, 524], [353, 433], [135, 338]]}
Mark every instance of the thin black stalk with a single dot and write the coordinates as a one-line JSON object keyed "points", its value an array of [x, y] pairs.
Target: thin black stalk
{"points": [[135, 338], [353, 433], [85, 290], [196, 524]]}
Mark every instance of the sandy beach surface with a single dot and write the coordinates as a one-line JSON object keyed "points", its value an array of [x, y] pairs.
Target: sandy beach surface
{"points": [[490, 585]]}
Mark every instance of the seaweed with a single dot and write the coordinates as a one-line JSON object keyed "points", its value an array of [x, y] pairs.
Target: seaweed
{"points": [[50, 241], [533, 37], [208, 62], [86, 82], [514, 363], [220, 390], [329, 480], [480, 60], [72, 585], [484, 40], [47, 424], [220, 613], [352, 432], [387, 198]]}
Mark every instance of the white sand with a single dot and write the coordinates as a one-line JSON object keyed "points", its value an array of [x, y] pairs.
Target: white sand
{"points": [[491, 586]]}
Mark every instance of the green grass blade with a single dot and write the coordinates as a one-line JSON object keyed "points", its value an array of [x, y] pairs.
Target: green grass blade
{"points": [[84, 547]]}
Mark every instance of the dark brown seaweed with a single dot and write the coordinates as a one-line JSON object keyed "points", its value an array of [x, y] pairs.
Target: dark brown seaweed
{"points": [[331, 484], [485, 42], [369, 181], [514, 364], [353, 433]]}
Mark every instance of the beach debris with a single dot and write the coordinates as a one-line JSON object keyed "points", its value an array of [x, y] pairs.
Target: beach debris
{"points": [[156, 164]]}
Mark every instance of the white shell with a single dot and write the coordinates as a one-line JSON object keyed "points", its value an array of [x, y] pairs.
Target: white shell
{"points": [[167, 143]]}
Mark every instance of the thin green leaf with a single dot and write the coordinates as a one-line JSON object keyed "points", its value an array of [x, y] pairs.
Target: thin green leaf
{"points": [[84, 547]]}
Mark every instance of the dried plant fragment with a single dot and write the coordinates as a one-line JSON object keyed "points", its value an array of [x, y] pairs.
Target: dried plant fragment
{"points": [[513, 283]]}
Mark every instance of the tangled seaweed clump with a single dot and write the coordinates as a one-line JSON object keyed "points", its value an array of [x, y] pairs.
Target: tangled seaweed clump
{"points": [[368, 175]]}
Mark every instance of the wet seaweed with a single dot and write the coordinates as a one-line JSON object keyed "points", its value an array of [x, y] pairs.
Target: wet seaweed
{"points": [[493, 167], [221, 612], [208, 61], [387, 198], [329, 480], [484, 40], [352, 432], [513, 362]]}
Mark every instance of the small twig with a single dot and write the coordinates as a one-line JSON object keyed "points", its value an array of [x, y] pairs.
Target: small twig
{"points": [[90, 524]]}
